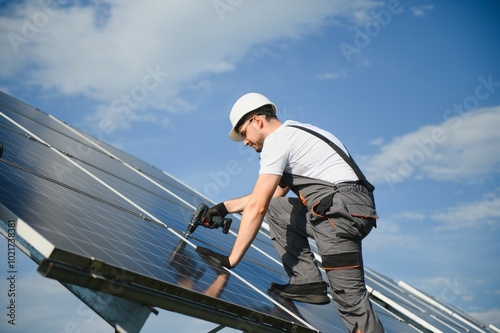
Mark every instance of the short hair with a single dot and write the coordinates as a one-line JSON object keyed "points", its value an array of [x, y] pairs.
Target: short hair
{"points": [[265, 110]]}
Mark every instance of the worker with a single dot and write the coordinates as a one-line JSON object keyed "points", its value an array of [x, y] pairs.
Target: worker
{"points": [[333, 203]]}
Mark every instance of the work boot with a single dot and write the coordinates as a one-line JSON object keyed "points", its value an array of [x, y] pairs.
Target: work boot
{"points": [[314, 293]]}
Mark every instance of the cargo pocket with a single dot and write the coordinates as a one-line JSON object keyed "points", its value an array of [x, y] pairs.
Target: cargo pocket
{"points": [[361, 208], [351, 213], [331, 205], [323, 210], [323, 206]]}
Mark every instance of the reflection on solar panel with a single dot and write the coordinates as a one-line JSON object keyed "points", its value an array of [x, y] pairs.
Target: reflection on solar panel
{"points": [[105, 221]]}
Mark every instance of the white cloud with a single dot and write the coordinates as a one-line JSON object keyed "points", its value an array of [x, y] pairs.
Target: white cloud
{"points": [[377, 142], [390, 234], [481, 214], [328, 76], [448, 289], [103, 50], [5, 89], [421, 10], [491, 316], [414, 216], [462, 148]]}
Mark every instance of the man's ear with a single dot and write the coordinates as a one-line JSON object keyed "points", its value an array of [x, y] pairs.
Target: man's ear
{"points": [[259, 121]]}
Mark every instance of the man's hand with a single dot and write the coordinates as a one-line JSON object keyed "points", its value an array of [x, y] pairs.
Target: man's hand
{"points": [[218, 211], [217, 257]]}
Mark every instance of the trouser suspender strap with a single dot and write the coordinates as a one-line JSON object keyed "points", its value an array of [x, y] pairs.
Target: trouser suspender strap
{"points": [[342, 154]]}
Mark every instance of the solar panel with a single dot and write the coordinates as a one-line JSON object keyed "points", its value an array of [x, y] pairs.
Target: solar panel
{"points": [[104, 220], [129, 315]]}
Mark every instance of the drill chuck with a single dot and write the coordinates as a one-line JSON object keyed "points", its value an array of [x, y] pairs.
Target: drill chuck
{"points": [[198, 216]]}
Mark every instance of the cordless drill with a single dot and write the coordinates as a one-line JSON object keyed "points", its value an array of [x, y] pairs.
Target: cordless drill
{"points": [[199, 219]]}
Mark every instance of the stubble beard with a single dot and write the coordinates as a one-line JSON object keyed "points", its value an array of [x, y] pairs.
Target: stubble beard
{"points": [[259, 144]]}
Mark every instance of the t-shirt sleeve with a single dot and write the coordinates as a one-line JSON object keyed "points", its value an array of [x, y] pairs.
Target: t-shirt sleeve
{"points": [[274, 158]]}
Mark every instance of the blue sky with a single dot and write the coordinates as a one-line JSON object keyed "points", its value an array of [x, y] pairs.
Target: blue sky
{"points": [[411, 87]]}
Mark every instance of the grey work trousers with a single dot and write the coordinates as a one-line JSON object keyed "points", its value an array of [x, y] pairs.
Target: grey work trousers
{"points": [[291, 225]]}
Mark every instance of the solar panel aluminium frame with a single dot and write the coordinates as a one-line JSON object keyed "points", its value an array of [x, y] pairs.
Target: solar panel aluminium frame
{"points": [[97, 275]]}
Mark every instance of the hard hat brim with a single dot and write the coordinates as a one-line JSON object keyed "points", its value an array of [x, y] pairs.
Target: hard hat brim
{"points": [[235, 136]]}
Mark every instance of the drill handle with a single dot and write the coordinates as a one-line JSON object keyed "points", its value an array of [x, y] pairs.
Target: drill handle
{"points": [[226, 225]]}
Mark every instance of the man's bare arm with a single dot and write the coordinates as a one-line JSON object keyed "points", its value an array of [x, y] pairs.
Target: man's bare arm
{"points": [[237, 205], [280, 191], [253, 215]]}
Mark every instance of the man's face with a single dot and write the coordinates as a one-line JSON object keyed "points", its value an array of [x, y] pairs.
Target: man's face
{"points": [[251, 134]]}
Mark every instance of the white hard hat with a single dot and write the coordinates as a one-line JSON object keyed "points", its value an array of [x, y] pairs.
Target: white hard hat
{"points": [[245, 104]]}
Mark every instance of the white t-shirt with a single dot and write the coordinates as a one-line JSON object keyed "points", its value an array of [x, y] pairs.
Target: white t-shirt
{"points": [[297, 152]]}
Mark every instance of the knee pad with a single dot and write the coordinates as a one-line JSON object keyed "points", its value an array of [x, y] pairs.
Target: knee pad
{"points": [[341, 261]]}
